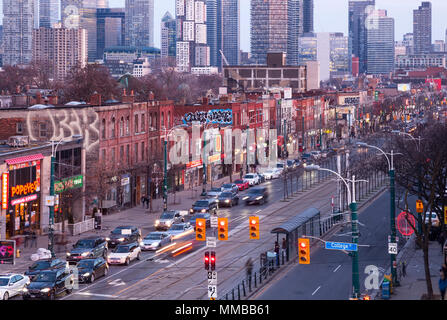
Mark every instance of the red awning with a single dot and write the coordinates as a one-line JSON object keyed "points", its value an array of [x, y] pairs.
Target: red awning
{"points": [[33, 157]]}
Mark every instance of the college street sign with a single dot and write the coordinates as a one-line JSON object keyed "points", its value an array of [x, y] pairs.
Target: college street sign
{"points": [[69, 183]]}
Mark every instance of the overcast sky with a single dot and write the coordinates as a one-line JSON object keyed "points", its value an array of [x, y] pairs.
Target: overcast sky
{"points": [[329, 16]]}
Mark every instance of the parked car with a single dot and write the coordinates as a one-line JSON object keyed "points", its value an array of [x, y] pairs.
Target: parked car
{"points": [[256, 195], [228, 199], [49, 284], [281, 165], [242, 184], [43, 265], [434, 219], [261, 177], [252, 179], [179, 230], [204, 205], [167, 219], [124, 254], [230, 187], [12, 284], [205, 216], [91, 247], [123, 235], [91, 269], [155, 240], [272, 173]]}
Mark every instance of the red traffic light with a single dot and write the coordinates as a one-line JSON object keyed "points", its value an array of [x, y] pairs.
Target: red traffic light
{"points": [[207, 260], [213, 260]]}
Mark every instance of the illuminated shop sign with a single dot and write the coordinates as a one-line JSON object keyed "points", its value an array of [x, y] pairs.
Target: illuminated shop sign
{"points": [[24, 199], [21, 190], [5, 185]]}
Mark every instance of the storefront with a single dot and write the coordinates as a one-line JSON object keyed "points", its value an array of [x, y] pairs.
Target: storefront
{"points": [[23, 198]]}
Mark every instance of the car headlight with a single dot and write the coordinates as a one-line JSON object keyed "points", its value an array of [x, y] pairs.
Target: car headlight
{"points": [[121, 239], [227, 201], [86, 274], [45, 290], [85, 254], [24, 290], [68, 254], [203, 210], [191, 210], [157, 222], [107, 239], [168, 223], [259, 198], [244, 198], [141, 243]]}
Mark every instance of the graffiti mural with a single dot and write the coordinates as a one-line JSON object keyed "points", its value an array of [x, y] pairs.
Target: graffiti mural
{"points": [[217, 116]]}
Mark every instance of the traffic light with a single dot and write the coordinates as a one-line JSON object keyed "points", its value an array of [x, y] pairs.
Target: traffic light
{"points": [[200, 229], [223, 228], [254, 227], [207, 260], [213, 260], [304, 251]]}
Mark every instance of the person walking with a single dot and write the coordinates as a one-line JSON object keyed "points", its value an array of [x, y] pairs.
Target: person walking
{"points": [[33, 239], [283, 248], [277, 252], [442, 285], [27, 234], [249, 269]]}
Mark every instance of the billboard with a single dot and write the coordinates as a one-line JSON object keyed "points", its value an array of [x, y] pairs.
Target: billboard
{"points": [[7, 251], [404, 87], [434, 82]]}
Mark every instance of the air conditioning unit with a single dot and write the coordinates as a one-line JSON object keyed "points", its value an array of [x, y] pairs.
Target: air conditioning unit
{"points": [[18, 141]]}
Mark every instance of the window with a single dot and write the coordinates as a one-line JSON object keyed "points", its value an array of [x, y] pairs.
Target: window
{"points": [[168, 123], [162, 119], [103, 129], [122, 154], [19, 127], [43, 130], [136, 152], [136, 123], [128, 154], [150, 122], [127, 125], [122, 127], [113, 156], [143, 124], [142, 151], [103, 155], [112, 129]]}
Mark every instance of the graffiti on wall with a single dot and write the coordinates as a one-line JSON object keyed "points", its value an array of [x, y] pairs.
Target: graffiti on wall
{"points": [[217, 116]]}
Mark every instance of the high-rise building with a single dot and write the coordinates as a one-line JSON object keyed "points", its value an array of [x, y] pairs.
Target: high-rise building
{"points": [[168, 36], [140, 23], [359, 12], [422, 28], [110, 25], [408, 42], [295, 28], [61, 48], [308, 16], [438, 46], [18, 22], [380, 43], [268, 28], [191, 47], [339, 53], [223, 27], [49, 13]]}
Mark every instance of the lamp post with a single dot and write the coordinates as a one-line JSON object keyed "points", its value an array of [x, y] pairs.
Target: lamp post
{"points": [[51, 217], [354, 227], [392, 204]]}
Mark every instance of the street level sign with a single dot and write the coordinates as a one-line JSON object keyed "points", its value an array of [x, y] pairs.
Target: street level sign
{"points": [[419, 206], [406, 223], [211, 242], [212, 291], [212, 278], [341, 246], [213, 222], [392, 248], [445, 215]]}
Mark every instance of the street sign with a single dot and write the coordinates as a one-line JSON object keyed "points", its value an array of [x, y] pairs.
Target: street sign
{"points": [[7, 251], [419, 206], [406, 223], [212, 278], [213, 222], [340, 246], [212, 291], [49, 201], [392, 248], [211, 242]]}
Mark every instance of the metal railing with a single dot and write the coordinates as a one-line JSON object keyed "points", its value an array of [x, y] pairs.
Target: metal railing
{"points": [[81, 227]]}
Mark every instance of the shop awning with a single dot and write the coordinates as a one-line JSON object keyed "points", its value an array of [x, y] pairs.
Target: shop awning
{"points": [[33, 157]]}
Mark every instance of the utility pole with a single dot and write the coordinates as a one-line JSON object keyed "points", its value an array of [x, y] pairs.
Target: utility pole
{"points": [[165, 173]]}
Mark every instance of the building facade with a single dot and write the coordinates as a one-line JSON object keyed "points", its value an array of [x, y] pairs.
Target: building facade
{"points": [[49, 13], [18, 22], [110, 26], [168, 36], [140, 23], [422, 28], [420, 61], [308, 16], [295, 29]]}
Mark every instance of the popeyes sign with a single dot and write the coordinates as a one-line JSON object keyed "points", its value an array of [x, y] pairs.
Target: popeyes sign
{"points": [[21, 190]]}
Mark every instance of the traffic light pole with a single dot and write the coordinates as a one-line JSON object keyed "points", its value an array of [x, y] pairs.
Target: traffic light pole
{"points": [[355, 239], [51, 229], [393, 222], [165, 185]]}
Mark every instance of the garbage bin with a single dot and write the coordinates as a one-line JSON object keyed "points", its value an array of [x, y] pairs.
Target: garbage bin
{"points": [[98, 219], [385, 290]]}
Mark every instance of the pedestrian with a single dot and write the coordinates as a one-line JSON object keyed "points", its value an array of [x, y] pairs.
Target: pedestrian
{"points": [[27, 237], [277, 252], [33, 239], [143, 200], [442, 285], [249, 268], [283, 247]]}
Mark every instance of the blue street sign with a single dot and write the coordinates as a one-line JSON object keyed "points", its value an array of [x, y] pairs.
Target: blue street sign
{"points": [[341, 246]]}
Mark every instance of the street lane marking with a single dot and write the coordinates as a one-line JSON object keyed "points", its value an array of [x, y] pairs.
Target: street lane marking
{"points": [[96, 294], [316, 290], [337, 268], [117, 282]]}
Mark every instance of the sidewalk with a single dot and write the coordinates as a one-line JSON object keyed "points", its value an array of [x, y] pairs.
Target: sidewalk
{"points": [[413, 285], [137, 216]]}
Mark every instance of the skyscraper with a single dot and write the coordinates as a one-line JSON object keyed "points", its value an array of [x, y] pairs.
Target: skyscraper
{"points": [[49, 13], [140, 23], [168, 36], [18, 22], [295, 29], [359, 11], [380, 44], [308, 16], [110, 26], [268, 28], [191, 47], [422, 28], [223, 25]]}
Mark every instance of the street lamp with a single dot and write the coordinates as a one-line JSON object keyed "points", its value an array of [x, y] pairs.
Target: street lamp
{"points": [[392, 203], [355, 236], [51, 218]]}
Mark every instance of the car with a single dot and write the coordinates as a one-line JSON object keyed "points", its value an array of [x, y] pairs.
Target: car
{"points": [[123, 235], [228, 199], [434, 219], [230, 187], [91, 269], [316, 155], [272, 173], [91, 247], [291, 164], [205, 216], [155, 240], [256, 195], [204, 205], [242, 184], [179, 230], [281, 165], [305, 157], [43, 265], [167, 219], [214, 192], [49, 284], [261, 177], [252, 179], [12, 284], [124, 254]]}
